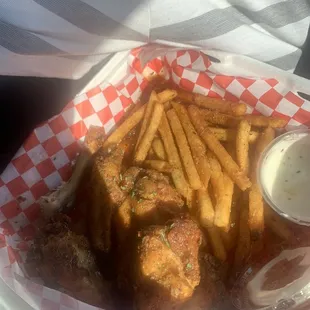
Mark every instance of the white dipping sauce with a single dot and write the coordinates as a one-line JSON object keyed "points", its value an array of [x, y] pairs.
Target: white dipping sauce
{"points": [[284, 175]]}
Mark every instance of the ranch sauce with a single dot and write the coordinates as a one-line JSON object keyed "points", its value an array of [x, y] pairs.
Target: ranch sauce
{"points": [[284, 175]]}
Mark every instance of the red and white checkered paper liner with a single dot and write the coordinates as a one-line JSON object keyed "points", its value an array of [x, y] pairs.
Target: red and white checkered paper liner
{"points": [[44, 161]]}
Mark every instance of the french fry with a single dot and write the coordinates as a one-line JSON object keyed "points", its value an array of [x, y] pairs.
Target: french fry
{"points": [[146, 140], [226, 120], [228, 135], [190, 202], [185, 96], [170, 147], [216, 174], [181, 184], [185, 153], [231, 149], [223, 207], [221, 119], [147, 115], [215, 146], [265, 138], [223, 134], [123, 219], [256, 204], [197, 146], [217, 243], [242, 145], [205, 208], [264, 121], [216, 178], [167, 95], [230, 237], [159, 148], [167, 105], [256, 212], [161, 97], [217, 182], [159, 165], [174, 160], [277, 224], [220, 105], [117, 136], [244, 240], [151, 154]]}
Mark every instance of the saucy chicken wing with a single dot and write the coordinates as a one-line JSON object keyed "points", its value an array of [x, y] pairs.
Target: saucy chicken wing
{"points": [[64, 259], [168, 268]]}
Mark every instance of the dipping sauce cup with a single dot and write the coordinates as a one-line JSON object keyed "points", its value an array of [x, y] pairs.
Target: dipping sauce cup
{"points": [[284, 175]]}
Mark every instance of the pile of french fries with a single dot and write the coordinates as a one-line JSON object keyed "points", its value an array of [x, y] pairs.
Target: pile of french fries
{"points": [[210, 148]]}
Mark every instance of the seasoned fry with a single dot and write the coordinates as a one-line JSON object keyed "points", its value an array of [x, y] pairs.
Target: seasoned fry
{"points": [[174, 160], [219, 105], [161, 97], [147, 115], [217, 181], [230, 237], [215, 146], [242, 145], [256, 204], [217, 243], [216, 174], [151, 154], [203, 167], [217, 118], [264, 121], [117, 136], [231, 149], [244, 240], [256, 212], [181, 184], [185, 152], [166, 95], [159, 165], [123, 219], [170, 147], [167, 105], [224, 134], [226, 120], [186, 96], [228, 135], [159, 149], [205, 208], [190, 200], [223, 207], [197, 147], [146, 140], [265, 138], [277, 224]]}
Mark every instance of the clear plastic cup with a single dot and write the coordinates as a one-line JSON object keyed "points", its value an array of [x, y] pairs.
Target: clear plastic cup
{"points": [[283, 174]]}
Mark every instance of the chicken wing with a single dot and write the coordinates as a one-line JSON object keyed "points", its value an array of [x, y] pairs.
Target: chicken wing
{"points": [[168, 265], [155, 201], [64, 260]]}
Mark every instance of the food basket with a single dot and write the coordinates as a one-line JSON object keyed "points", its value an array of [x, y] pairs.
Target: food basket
{"points": [[45, 160]]}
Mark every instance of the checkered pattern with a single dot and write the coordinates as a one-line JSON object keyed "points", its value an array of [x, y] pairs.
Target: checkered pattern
{"points": [[38, 296], [44, 161]]}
